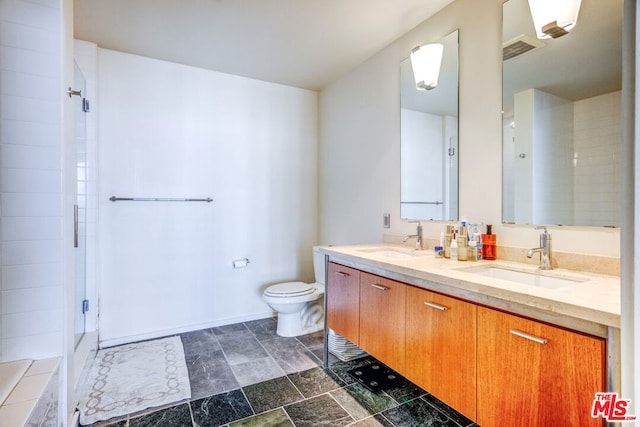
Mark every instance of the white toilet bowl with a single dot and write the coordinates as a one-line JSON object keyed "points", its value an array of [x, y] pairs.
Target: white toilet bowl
{"points": [[300, 306]]}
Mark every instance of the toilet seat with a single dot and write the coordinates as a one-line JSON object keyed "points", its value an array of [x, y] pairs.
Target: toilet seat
{"points": [[290, 290]]}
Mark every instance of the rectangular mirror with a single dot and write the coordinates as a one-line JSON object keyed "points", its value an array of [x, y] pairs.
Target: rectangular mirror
{"points": [[429, 140], [562, 134]]}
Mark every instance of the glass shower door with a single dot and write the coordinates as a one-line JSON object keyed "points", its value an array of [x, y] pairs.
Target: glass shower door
{"points": [[80, 209]]}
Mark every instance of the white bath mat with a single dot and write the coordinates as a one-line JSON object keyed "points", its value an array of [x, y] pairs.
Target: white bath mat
{"points": [[133, 377]]}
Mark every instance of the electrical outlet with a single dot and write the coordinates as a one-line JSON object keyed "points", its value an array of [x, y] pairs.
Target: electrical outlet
{"points": [[386, 220]]}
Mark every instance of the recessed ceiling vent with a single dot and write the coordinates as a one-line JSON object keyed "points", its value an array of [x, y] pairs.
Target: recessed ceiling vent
{"points": [[519, 46]]}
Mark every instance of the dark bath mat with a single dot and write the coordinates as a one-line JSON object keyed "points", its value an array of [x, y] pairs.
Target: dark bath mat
{"points": [[376, 377]]}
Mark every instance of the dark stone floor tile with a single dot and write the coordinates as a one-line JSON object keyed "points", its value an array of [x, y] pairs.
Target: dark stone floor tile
{"points": [[418, 413], [257, 371], [109, 423], [241, 347], [360, 402], [290, 354], [222, 359], [276, 418], [263, 329], [198, 342], [375, 421], [272, 394], [404, 390], [314, 339], [315, 343], [318, 411], [341, 368], [175, 416], [229, 329], [316, 381], [220, 409], [318, 353], [209, 374], [447, 410]]}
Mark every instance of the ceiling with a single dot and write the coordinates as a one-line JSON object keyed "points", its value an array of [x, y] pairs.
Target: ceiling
{"points": [[302, 43]]}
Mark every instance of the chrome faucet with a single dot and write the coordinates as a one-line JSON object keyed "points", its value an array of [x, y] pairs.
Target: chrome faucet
{"points": [[418, 236], [544, 249]]}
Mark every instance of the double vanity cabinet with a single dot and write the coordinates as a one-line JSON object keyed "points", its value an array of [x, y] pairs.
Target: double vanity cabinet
{"points": [[495, 367]]}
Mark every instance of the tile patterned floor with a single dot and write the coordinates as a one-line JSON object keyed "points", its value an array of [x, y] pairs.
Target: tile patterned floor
{"points": [[245, 375]]}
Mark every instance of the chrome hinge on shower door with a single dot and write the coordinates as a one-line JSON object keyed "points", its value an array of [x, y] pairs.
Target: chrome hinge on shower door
{"points": [[85, 306]]}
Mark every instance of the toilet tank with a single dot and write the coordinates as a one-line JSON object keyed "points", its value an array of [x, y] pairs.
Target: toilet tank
{"points": [[318, 264]]}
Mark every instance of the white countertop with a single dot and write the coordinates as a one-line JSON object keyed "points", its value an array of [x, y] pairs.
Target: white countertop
{"points": [[591, 304]]}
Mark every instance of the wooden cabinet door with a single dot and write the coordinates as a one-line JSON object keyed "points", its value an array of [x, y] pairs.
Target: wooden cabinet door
{"points": [[533, 374], [441, 348], [382, 319], [343, 301]]}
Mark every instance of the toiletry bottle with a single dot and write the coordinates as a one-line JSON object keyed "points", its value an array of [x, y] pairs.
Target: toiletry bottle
{"points": [[462, 244], [477, 237], [472, 251], [453, 250], [489, 244], [447, 241]]}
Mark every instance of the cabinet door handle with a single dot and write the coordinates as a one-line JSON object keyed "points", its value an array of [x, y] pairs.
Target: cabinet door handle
{"points": [[436, 306], [528, 337], [379, 287], [342, 274]]}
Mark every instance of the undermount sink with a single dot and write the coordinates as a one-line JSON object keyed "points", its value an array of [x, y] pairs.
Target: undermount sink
{"points": [[393, 253], [537, 279]]}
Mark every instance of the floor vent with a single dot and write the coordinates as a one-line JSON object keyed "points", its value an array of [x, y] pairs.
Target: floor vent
{"points": [[375, 377]]}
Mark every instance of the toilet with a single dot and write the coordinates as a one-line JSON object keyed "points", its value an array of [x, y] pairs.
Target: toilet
{"points": [[300, 306]]}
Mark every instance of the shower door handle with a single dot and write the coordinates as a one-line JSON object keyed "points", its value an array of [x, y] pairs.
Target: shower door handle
{"points": [[75, 226]]}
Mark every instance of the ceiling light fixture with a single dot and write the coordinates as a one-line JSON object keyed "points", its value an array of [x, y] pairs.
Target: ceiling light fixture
{"points": [[425, 61], [554, 18]]}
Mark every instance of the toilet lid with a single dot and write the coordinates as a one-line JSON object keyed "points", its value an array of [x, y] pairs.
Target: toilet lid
{"points": [[293, 289]]}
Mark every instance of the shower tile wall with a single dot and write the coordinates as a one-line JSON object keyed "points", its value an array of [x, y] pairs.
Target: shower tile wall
{"points": [[597, 159], [31, 222]]}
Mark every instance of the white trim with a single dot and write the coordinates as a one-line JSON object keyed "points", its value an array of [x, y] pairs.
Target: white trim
{"points": [[182, 329]]}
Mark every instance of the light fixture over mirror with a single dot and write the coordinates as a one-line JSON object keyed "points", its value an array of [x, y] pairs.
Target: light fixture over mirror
{"points": [[429, 137], [562, 136], [554, 18], [425, 62]]}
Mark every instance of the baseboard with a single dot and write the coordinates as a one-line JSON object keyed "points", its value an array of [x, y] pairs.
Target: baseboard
{"points": [[110, 342]]}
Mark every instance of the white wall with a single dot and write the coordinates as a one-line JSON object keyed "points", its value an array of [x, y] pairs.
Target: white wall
{"points": [[360, 132], [31, 225], [168, 130], [422, 156], [543, 168], [359, 157]]}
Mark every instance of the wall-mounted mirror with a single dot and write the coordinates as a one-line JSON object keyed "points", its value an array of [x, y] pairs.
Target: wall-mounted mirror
{"points": [[562, 118], [429, 140]]}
